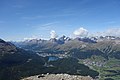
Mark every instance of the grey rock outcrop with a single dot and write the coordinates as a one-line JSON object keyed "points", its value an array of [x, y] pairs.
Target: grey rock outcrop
{"points": [[58, 77]]}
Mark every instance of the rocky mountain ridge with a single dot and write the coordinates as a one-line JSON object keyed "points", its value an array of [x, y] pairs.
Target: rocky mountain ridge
{"points": [[58, 77]]}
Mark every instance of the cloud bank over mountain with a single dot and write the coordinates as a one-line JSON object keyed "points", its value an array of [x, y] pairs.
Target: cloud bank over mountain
{"points": [[108, 32], [113, 32], [81, 32], [53, 34]]}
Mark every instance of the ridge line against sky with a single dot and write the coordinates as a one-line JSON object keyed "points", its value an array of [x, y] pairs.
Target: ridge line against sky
{"points": [[21, 19]]}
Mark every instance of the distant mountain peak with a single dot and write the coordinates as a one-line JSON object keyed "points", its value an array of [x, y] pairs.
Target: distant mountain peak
{"points": [[85, 39], [53, 40]]}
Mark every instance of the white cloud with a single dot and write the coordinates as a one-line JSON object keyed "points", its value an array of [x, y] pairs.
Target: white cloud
{"points": [[109, 32], [30, 38], [46, 26], [81, 32], [53, 34], [113, 32]]}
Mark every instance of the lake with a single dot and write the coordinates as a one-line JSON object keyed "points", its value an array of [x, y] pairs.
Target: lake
{"points": [[52, 58]]}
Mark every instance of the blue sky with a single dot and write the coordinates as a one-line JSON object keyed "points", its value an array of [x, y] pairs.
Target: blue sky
{"points": [[21, 19]]}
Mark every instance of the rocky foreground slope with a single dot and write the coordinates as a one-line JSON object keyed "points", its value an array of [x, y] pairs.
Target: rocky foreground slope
{"points": [[58, 77]]}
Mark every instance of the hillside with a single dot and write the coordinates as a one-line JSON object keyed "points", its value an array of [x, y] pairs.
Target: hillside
{"points": [[23, 63], [16, 63]]}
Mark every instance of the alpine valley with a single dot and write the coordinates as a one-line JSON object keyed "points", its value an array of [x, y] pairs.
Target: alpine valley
{"points": [[97, 57]]}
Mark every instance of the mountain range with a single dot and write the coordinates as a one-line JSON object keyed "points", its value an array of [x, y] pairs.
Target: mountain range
{"points": [[107, 46], [97, 57]]}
